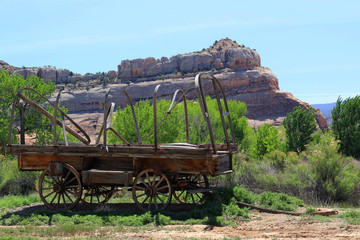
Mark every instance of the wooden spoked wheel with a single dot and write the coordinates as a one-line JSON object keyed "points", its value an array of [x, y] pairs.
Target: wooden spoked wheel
{"points": [[191, 182], [60, 192], [151, 192], [97, 194]]}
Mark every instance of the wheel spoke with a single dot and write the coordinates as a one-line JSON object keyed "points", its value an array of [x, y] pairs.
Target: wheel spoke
{"points": [[49, 194], [74, 178], [150, 203], [155, 202], [52, 200], [67, 175], [73, 193], [145, 199], [51, 183], [139, 188], [141, 195], [192, 197], [52, 177], [63, 197], [160, 199], [181, 193], [58, 202], [158, 183], [162, 187], [142, 180], [148, 178], [68, 197]]}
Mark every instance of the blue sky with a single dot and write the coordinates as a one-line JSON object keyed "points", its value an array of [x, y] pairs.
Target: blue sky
{"points": [[311, 46]]}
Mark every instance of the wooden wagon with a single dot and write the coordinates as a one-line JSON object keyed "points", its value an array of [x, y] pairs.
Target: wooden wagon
{"points": [[154, 173]]}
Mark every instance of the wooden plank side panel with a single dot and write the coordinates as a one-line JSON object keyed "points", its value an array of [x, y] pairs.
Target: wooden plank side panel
{"points": [[174, 165], [41, 162], [91, 177], [113, 163]]}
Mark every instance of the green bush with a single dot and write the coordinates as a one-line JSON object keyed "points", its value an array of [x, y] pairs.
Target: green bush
{"points": [[267, 139], [346, 125], [336, 177], [299, 126], [279, 201], [13, 181], [352, 217]]}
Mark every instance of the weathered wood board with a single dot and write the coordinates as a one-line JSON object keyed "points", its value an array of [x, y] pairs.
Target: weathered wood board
{"points": [[37, 162], [91, 177]]}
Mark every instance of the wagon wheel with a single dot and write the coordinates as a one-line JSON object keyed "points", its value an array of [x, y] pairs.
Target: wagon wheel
{"points": [[192, 182], [97, 194], [151, 191], [60, 192]]}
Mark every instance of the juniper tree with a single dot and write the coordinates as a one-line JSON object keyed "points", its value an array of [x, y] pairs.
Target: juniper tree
{"points": [[299, 125]]}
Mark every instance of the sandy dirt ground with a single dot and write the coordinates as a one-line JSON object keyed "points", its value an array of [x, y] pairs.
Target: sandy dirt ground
{"points": [[260, 226]]}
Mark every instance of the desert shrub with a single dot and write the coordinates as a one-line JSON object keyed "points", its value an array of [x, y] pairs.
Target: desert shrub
{"points": [[352, 217], [161, 219], [267, 139], [238, 193], [279, 201], [336, 177], [13, 181], [299, 126], [232, 211], [346, 125]]}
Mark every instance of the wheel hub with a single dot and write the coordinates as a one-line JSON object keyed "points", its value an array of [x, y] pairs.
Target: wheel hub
{"points": [[57, 188], [150, 191]]}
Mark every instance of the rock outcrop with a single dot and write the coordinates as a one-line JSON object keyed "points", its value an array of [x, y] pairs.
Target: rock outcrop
{"points": [[237, 67], [235, 58]]}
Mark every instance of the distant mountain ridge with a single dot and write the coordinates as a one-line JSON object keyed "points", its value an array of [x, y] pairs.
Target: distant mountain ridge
{"points": [[325, 108]]}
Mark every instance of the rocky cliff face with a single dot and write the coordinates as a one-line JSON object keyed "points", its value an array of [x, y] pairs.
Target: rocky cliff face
{"points": [[238, 68], [235, 58]]}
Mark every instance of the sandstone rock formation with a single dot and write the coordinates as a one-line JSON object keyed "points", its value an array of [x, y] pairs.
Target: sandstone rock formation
{"points": [[234, 58], [237, 67]]}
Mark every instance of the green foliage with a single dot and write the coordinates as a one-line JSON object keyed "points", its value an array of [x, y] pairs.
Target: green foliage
{"points": [[239, 193], [319, 175], [173, 128], [13, 181], [161, 219], [267, 140], [346, 125], [18, 201], [352, 217], [336, 177], [9, 86], [310, 210], [279, 201], [299, 126]]}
